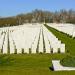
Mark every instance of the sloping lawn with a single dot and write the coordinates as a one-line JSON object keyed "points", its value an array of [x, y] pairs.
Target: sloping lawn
{"points": [[28, 64]]}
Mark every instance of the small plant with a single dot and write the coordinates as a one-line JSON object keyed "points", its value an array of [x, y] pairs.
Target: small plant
{"points": [[59, 50], [29, 50], [15, 51], [68, 61], [40, 53], [51, 50]]}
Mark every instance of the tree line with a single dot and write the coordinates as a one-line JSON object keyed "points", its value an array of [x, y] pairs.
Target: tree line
{"points": [[39, 16]]}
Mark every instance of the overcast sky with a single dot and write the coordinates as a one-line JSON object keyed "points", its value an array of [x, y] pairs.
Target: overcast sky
{"points": [[14, 7]]}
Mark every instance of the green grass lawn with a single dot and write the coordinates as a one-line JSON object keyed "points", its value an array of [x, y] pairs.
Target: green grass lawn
{"points": [[29, 64]]}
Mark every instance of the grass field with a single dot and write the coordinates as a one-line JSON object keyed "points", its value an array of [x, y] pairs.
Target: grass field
{"points": [[37, 64], [30, 64]]}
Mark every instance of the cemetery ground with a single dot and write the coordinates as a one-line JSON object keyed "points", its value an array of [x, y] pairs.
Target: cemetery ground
{"points": [[69, 60], [38, 64]]}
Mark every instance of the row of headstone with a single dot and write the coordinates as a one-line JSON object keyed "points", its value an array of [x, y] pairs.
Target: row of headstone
{"points": [[52, 43], [66, 28], [29, 39]]}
